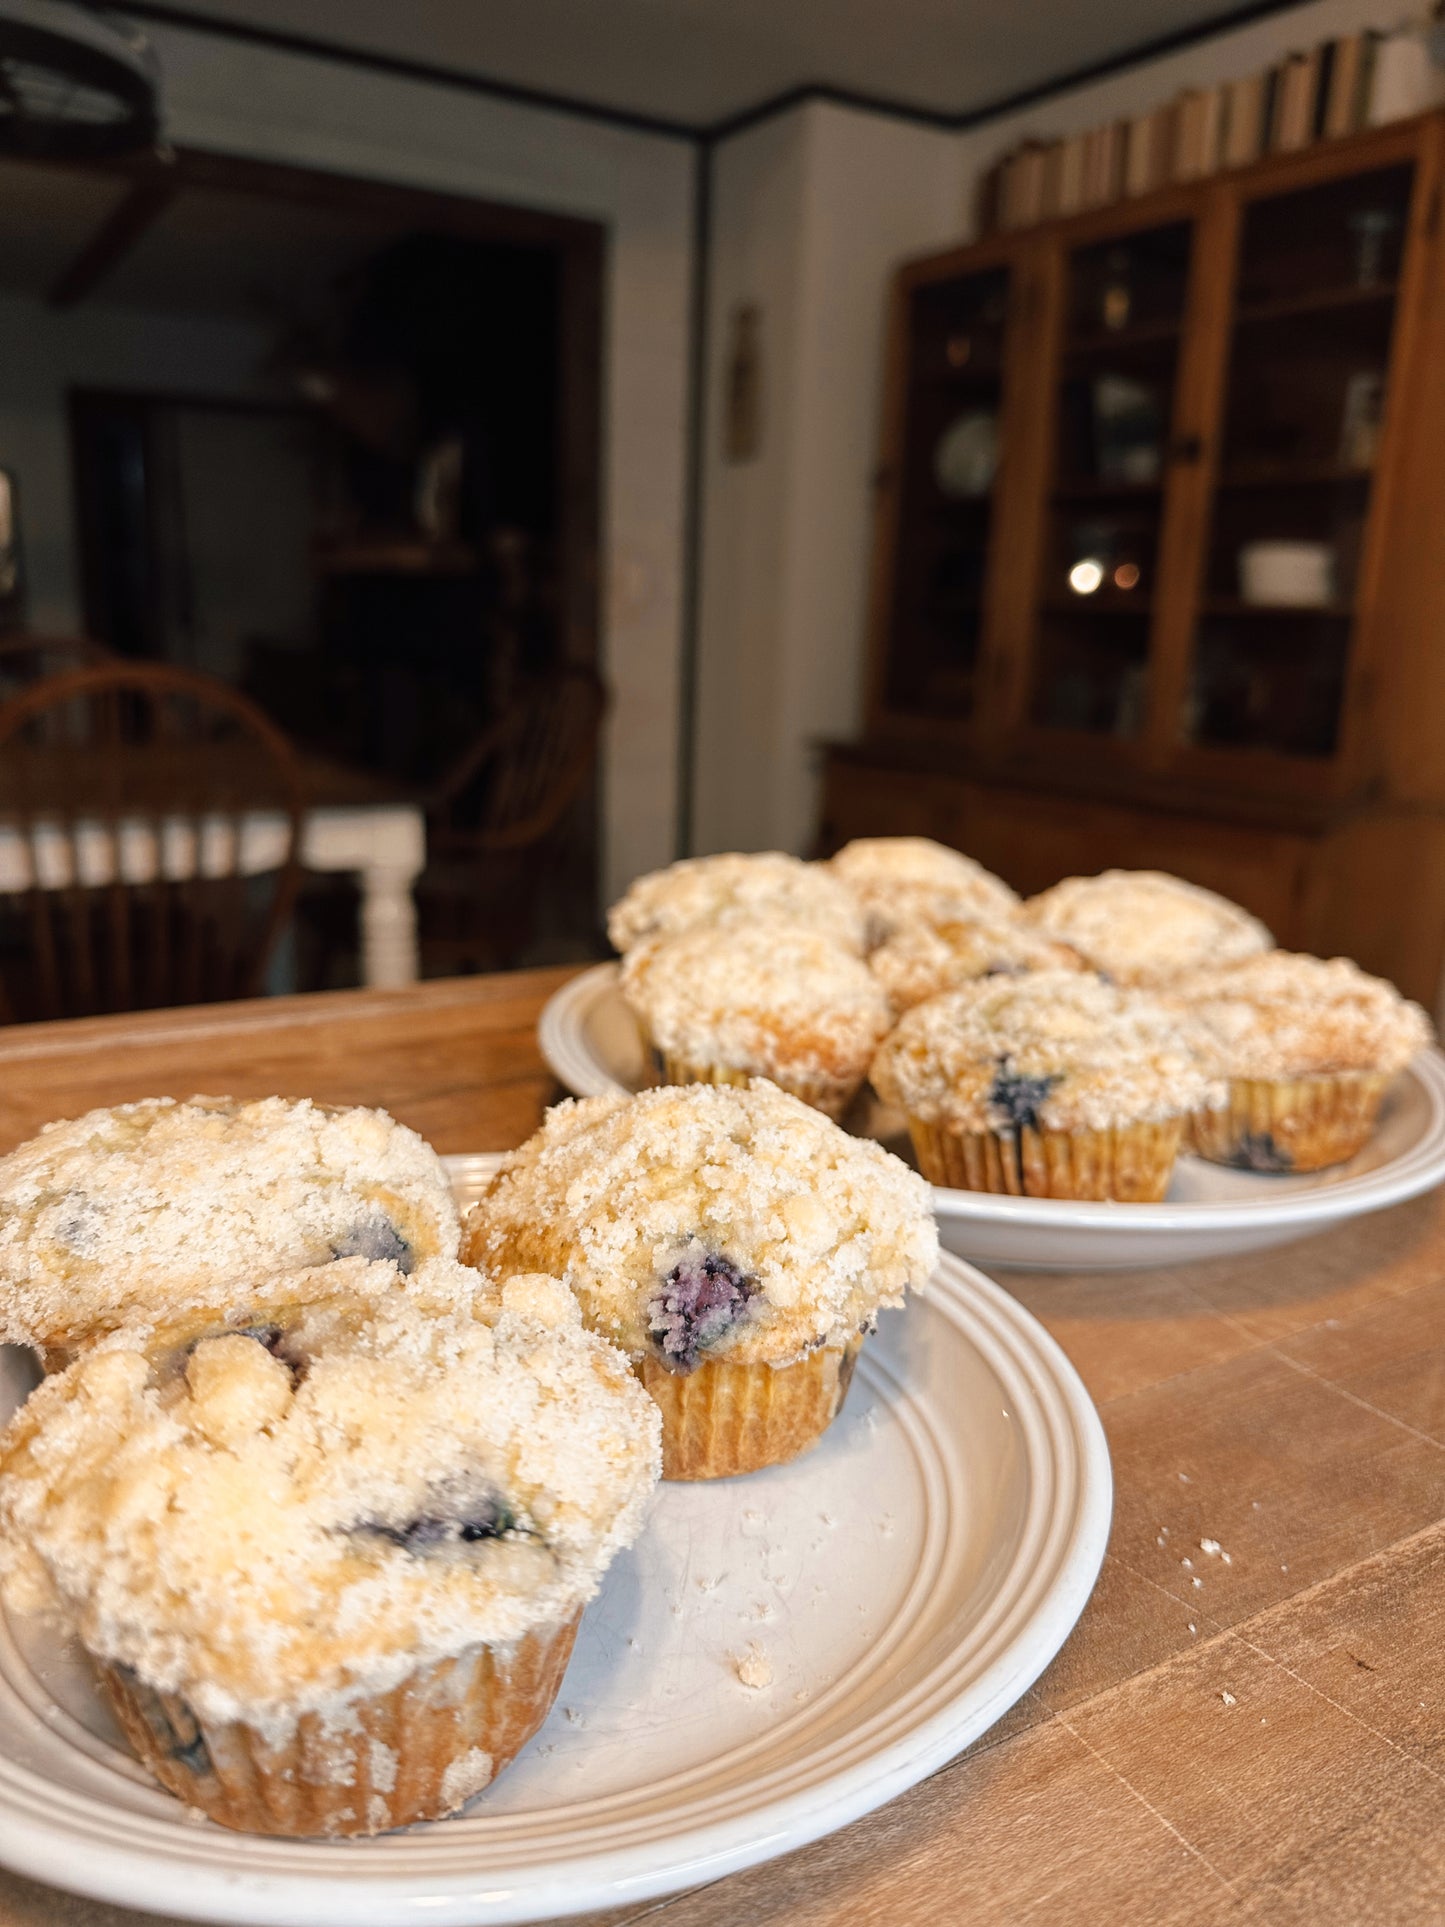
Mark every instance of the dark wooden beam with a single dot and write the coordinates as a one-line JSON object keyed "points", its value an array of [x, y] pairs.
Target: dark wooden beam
{"points": [[113, 240]]}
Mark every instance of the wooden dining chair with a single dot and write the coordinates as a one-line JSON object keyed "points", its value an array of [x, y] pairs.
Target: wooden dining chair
{"points": [[150, 825], [26, 659], [491, 821]]}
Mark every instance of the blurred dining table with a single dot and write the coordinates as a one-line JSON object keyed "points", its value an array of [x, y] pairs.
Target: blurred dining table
{"points": [[1247, 1723], [354, 823]]}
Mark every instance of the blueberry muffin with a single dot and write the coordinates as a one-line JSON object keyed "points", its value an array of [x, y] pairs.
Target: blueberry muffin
{"points": [[123, 1213], [1143, 927], [732, 888], [1052, 1085], [329, 1545], [1307, 1050], [900, 880], [922, 960], [762, 999], [735, 1244]]}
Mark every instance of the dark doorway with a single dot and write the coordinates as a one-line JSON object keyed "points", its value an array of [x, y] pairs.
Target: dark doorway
{"points": [[381, 517]]}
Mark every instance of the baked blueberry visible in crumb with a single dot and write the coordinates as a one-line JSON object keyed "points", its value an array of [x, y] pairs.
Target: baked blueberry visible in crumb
{"points": [[175, 1729], [451, 1522], [281, 1345], [700, 1300], [1017, 1099], [1257, 1151], [377, 1238]]}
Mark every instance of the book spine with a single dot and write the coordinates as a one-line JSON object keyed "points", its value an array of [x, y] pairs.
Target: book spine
{"points": [[1325, 58], [1071, 174], [1051, 175], [1269, 109], [1344, 75]]}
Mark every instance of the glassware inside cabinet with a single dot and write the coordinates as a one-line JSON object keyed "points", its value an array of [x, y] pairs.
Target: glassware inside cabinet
{"points": [[946, 492], [1113, 421], [1304, 406]]}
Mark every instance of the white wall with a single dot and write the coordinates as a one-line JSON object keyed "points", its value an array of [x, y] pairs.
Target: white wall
{"points": [[810, 213], [44, 352], [258, 101]]}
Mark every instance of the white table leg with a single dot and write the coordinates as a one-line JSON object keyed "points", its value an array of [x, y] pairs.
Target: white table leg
{"points": [[388, 926]]}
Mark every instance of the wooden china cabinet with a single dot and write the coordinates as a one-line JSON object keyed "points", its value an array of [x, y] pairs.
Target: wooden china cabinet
{"points": [[1159, 567]]}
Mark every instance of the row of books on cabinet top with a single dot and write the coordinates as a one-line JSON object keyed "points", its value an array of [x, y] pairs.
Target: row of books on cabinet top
{"points": [[1358, 80]]}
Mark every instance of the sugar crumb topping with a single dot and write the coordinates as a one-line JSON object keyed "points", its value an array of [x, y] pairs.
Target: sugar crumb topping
{"points": [[344, 1477], [1144, 927], [778, 999], [792, 1232], [1075, 1052], [921, 960], [107, 1216], [722, 889], [1283, 1015], [902, 879]]}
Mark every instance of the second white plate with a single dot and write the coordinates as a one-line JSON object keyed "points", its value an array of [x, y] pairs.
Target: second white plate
{"points": [[590, 1040]]}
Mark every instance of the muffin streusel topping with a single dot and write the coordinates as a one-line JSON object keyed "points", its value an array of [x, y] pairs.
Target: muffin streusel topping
{"points": [[736, 1221], [922, 960], [111, 1215], [760, 996], [1143, 927], [1055, 1050], [722, 889], [909, 879], [1283, 1016], [345, 1477]]}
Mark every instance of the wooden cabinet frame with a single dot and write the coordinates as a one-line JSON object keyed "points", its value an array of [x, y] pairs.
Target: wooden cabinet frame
{"points": [[999, 734]]}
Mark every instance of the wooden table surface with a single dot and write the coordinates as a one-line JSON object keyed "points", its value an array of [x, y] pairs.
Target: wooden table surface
{"points": [[1256, 1740]]}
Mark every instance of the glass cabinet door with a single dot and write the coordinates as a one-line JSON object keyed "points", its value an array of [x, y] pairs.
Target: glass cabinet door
{"points": [[1309, 356], [946, 492], [1113, 412]]}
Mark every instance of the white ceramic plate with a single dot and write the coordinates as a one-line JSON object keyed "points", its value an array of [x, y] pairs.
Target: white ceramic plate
{"points": [[590, 1040], [904, 1585]]}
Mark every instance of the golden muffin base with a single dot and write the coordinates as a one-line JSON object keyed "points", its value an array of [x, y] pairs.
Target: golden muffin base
{"points": [[831, 1096], [724, 1418], [416, 1753], [1131, 1164], [1292, 1124]]}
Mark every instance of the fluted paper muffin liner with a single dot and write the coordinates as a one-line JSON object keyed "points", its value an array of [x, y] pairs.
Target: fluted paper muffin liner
{"points": [[830, 1095], [1131, 1163], [416, 1753], [725, 1418], [1290, 1124]]}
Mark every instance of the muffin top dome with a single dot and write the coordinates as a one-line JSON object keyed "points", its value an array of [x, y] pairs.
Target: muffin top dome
{"points": [[1282, 1015], [780, 999], [907, 879], [1143, 927], [722, 889], [343, 1477], [110, 1215], [922, 960], [1055, 1050], [711, 1220]]}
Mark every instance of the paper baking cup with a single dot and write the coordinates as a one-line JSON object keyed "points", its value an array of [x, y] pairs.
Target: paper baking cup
{"points": [[1295, 1124], [1131, 1163], [723, 1418], [416, 1753], [831, 1096]]}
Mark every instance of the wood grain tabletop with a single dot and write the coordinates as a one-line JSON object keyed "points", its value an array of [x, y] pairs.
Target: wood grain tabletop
{"points": [[1257, 1738]]}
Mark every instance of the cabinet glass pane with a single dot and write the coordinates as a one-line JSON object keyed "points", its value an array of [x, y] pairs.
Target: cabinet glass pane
{"points": [[950, 452], [1124, 307], [1309, 355]]}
